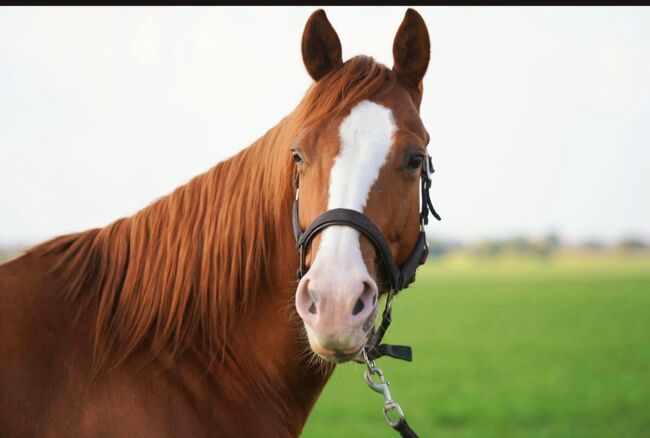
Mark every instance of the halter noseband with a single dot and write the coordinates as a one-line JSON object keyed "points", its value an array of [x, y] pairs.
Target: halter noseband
{"points": [[400, 278]]}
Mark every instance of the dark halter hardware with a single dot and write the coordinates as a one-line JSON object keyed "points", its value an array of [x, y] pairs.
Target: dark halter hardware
{"points": [[400, 278]]}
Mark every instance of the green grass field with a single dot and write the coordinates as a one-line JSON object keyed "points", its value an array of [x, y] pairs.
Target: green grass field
{"points": [[557, 348]]}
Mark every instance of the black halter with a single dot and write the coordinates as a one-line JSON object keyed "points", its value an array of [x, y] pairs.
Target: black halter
{"points": [[400, 278]]}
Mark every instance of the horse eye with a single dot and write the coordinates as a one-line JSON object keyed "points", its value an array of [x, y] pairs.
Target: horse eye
{"points": [[296, 156], [415, 162]]}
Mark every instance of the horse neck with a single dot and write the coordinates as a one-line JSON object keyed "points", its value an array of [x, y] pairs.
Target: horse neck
{"points": [[269, 367], [268, 357]]}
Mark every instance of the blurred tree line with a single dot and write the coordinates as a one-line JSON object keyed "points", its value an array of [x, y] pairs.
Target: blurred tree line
{"points": [[540, 248]]}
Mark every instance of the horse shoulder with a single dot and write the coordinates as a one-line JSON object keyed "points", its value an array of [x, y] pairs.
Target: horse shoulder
{"points": [[32, 335]]}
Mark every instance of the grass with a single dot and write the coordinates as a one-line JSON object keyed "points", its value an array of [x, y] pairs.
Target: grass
{"points": [[510, 348]]}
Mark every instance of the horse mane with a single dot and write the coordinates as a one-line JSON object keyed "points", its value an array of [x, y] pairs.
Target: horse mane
{"points": [[181, 270]]}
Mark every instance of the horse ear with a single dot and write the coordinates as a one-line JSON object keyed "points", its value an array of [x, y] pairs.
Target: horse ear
{"points": [[411, 49], [321, 47]]}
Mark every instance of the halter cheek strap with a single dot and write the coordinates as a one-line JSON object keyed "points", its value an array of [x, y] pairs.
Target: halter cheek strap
{"points": [[399, 278]]}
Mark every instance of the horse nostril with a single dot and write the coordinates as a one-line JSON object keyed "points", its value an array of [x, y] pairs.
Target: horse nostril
{"points": [[312, 308], [358, 307], [374, 299]]}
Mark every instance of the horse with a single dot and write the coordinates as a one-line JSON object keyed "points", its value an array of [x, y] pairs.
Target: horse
{"points": [[186, 319]]}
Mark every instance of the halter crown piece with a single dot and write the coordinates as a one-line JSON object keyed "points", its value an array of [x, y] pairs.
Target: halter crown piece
{"points": [[400, 278]]}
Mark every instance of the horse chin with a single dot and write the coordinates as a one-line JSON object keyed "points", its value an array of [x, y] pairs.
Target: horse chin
{"points": [[339, 357]]}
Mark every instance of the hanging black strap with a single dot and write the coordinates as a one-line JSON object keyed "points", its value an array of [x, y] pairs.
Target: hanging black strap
{"points": [[402, 352], [427, 205]]}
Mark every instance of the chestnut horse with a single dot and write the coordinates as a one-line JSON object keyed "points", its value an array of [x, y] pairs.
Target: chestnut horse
{"points": [[185, 319]]}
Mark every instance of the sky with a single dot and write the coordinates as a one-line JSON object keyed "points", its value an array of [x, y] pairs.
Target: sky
{"points": [[539, 116]]}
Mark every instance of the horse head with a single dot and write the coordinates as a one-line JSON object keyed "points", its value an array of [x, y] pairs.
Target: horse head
{"points": [[367, 156]]}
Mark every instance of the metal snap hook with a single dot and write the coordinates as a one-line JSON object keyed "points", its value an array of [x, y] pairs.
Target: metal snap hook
{"points": [[380, 387]]}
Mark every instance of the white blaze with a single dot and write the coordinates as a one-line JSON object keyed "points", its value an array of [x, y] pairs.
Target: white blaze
{"points": [[366, 135]]}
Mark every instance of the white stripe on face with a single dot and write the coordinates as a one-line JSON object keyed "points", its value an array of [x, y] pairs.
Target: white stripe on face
{"points": [[366, 135]]}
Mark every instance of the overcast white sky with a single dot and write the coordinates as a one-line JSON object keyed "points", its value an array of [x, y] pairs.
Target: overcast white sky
{"points": [[539, 117]]}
